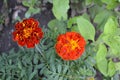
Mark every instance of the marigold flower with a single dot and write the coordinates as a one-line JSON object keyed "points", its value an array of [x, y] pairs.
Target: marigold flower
{"points": [[70, 45], [27, 33]]}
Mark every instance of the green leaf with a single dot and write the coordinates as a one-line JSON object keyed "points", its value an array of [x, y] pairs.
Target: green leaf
{"points": [[32, 74], [60, 8], [86, 28], [117, 66], [111, 68], [25, 3], [9, 78], [101, 59], [59, 68], [106, 1], [57, 26], [43, 70], [39, 66], [19, 64], [110, 3], [52, 24], [86, 16], [65, 69], [113, 42], [75, 28], [53, 67], [56, 77], [47, 72], [110, 26], [34, 10], [35, 60], [61, 78], [33, 2], [23, 72], [31, 11], [72, 21], [101, 18], [28, 13], [90, 61], [88, 2]]}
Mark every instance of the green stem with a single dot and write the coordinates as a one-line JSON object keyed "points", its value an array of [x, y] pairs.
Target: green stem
{"points": [[39, 50]]}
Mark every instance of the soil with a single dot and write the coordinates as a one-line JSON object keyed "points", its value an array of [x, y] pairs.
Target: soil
{"points": [[6, 41]]}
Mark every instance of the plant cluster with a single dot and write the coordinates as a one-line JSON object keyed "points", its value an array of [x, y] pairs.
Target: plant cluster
{"points": [[73, 47]]}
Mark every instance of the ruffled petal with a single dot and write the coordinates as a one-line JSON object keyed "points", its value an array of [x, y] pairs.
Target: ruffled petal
{"points": [[27, 33], [70, 46]]}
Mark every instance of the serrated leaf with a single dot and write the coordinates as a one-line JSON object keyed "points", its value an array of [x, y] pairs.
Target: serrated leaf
{"points": [[9, 78], [47, 72], [23, 72], [59, 68], [40, 66], [90, 61], [19, 64], [56, 77], [42, 70], [110, 26], [32, 74], [86, 29], [101, 59], [53, 67], [35, 60], [50, 77], [65, 69], [52, 58], [60, 8], [61, 78], [111, 68]]}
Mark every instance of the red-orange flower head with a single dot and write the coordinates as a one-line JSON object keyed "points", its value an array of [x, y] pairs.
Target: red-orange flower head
{"points": [[70, 45], [27, 33]]}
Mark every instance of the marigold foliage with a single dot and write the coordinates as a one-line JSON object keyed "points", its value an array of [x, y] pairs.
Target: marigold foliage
{"points": [[27, 33], [70, 45]]}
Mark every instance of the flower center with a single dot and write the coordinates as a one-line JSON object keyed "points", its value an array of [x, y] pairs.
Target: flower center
{"points": [[73, 44], [27, 32]]}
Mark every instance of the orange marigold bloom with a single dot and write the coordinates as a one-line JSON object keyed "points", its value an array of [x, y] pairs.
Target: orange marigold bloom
{"points": [[70, 45], [27, 33]]}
